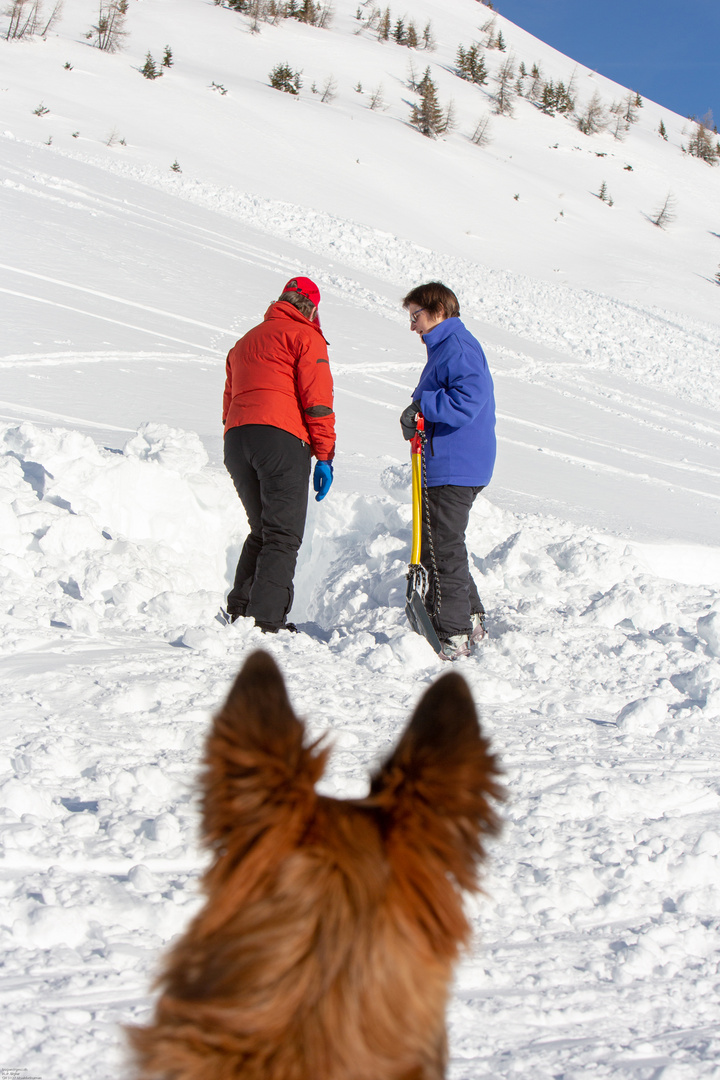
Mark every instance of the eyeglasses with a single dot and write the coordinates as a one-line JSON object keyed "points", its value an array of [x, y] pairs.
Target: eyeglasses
{"points": [[414, 314]]}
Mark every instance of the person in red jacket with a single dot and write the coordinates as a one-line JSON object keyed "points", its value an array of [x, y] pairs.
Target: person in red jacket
{"points": [[277, 414]]}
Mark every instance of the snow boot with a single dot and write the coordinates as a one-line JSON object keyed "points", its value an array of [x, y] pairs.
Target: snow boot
{"points": [[269, 628], [455, 646], [478, 632]]}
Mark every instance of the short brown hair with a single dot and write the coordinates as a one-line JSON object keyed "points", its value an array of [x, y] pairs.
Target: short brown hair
{"points": [[304, 306], [435, 298]]}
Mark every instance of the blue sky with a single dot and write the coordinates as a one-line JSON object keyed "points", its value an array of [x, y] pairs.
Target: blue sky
{"points": [[667, 51]]}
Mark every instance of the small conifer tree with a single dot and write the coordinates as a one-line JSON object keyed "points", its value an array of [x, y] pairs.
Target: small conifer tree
{"points": [[149, 70], [662, 132], [700, 144], [282, 77], [556, 98], [547, 99], [427, 116], [308, 12], [537, 85], [167, 60], [504, 93], [630, 111], [470, 64], [564, 100], [428, 40]]}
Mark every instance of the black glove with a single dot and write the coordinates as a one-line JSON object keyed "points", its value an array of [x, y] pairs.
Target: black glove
{"points": [[407, 420]]}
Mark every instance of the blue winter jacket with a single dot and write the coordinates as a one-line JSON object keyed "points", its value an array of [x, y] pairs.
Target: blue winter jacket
{"points": [[456, 398]]}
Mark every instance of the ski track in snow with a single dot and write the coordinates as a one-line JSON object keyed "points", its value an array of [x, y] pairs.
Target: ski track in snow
{"points": [[648, 345], [95, 315], [593, 329], [114, 299]]}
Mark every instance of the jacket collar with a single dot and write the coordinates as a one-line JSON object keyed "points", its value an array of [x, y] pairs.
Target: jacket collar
{"points": [[441, 331], [281, 309]]}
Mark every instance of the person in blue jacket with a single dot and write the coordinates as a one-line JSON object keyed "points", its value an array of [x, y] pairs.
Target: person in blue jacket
{"points": [[455, 396]]}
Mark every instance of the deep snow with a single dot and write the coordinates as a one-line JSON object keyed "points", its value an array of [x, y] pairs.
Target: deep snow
{"points": [[595, 548]]}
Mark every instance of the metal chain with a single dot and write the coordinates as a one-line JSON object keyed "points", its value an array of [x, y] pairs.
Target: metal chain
{"points": [[426, 517]]}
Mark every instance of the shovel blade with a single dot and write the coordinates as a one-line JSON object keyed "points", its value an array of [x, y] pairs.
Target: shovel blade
{"points": [[420, 620]]}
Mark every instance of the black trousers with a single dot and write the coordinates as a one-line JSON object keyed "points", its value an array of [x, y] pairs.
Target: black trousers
{"points": [[270, 469], [452, 591]]}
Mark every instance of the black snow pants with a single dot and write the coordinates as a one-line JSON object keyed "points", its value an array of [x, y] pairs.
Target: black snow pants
{"points": [[449, 512], [270, 469]]}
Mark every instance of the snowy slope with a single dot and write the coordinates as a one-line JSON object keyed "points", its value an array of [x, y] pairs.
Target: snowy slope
{"points": [[370, 166], [122, 285]]}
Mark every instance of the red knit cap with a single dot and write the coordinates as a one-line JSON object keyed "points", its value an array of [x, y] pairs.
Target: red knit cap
{"points": [[305, 287]]}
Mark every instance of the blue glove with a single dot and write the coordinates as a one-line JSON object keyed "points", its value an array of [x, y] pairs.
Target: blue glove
{"points": [[322, 479]]}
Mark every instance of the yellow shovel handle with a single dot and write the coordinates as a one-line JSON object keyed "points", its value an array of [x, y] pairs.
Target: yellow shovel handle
{"points": [[416, 509]]}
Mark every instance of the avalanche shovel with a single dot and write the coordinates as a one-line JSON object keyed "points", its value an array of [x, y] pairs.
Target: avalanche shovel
{"points": [[417, 574]]}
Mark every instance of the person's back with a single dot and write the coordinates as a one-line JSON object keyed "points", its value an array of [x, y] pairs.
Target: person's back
{"points": [[278, 373], [277, 413]]}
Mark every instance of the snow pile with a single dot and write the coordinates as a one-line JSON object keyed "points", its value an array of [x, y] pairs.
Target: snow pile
{"points": [[139, 539], [146, 540]]}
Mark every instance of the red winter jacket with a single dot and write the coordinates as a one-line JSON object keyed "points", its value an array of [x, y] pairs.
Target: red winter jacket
{"points": [[279, 374]]}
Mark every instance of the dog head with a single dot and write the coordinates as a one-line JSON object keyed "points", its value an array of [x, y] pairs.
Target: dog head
{"points": [[325, 948]]}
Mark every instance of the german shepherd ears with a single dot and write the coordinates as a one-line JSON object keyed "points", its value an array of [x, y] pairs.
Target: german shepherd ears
{"points": [[256, 756]]}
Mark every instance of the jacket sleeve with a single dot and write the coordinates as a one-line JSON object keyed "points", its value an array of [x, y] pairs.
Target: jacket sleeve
{"points": [[315, 389], [227, 395], [465, 388]]}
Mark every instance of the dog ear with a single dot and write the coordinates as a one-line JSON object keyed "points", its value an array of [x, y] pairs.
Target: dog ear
{"points": [[440, 781], [257, 769]]}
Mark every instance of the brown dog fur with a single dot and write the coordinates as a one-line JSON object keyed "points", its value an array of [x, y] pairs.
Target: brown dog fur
{"points": [[326, 946]]}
